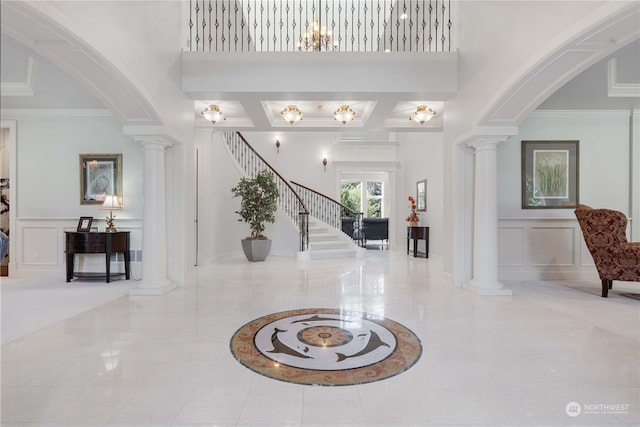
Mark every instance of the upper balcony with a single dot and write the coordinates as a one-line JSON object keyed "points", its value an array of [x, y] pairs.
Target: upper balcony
{"points": [[316, 25], [382, 57]]}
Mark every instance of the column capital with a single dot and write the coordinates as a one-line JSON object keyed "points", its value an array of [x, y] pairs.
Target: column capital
{"points": [[485, 144], [486, 133], [151, 134], [153, 142]]}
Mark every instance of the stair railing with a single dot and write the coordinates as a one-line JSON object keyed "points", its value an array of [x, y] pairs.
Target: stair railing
{"points": [[289, 201], [329, 210]]}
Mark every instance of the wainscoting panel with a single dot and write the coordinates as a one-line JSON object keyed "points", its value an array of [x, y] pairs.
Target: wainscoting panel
{"points": [[552, 246], [41, 248], [511, 247], [543, 249], [40, 245]]}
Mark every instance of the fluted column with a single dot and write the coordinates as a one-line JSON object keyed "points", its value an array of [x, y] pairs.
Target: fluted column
{"points": [[485, 219], [154, 232]]}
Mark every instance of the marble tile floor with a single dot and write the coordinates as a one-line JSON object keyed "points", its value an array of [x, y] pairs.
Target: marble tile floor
{"points": [[486, 361]]}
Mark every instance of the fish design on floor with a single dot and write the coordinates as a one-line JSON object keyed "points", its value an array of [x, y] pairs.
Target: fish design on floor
{"points": [[280, 347], [374, 342], [316, 318]]}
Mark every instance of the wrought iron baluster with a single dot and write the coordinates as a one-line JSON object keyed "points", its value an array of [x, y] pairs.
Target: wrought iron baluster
{"points": [[190, 27], [449, 24], [403, 18], [261, 21], [197, 27], [436, 24], [430, 25], [443, 38]]}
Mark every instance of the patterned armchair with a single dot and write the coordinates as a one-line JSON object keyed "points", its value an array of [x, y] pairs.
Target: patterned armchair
{"points": [[604, 232]]}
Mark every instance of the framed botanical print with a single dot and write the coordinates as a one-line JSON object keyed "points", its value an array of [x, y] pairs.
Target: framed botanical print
{"points": [[550, 174], [100, 176]]}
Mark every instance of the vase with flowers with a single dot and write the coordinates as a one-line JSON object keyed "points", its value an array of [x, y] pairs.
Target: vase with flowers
{"points": [[413, 217]]}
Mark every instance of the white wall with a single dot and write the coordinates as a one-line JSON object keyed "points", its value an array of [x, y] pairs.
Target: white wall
{"points": [[421, 156], [548, 243], [47, 187], [220, 231], [300, 159]]}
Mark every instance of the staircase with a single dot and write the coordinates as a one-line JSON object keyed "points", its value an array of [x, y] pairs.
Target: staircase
{"points": [[327, 242], [326, 238], [319, 228]]}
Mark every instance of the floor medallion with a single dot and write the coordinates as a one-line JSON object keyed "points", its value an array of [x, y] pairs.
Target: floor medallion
{"points": [[327, 347]]}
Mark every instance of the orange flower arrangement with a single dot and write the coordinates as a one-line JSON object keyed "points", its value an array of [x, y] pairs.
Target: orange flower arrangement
{"points": [[413, 216]]}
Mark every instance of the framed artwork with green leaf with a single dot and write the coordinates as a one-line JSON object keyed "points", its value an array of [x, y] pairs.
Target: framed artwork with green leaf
{"points": [[550, 174]]}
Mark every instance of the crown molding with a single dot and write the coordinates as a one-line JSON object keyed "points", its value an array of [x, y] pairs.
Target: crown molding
{"points": [[25, 87], [56, 112], [568, 114]]}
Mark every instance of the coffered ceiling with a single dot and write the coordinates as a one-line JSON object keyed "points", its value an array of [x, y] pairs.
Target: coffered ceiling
{"points": [[383, 90]]}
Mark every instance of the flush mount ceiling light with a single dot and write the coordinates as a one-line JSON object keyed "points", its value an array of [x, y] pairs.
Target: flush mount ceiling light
{"points": [[291, 114], [213, 114], [422, 114], [344, 114]]}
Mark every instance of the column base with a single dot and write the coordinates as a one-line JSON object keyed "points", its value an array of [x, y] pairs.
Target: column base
{"points": [[303, 256], [152, 290], [484, 289]]}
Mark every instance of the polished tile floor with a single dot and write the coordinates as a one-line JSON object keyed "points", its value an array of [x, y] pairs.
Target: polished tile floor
{"points": [[486, 361]]}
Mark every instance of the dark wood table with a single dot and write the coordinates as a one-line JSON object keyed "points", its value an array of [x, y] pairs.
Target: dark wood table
{"points": [[415, 234], [97, 243]]}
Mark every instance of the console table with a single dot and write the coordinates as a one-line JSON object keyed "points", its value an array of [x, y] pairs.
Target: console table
{"points": [[418, 233], [97, 243]]}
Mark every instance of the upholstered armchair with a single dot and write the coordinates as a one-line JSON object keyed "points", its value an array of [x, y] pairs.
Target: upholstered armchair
{"points": [[604, 232]]}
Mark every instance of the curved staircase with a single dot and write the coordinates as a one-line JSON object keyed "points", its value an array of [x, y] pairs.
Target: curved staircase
{"points": [[317, 217]]}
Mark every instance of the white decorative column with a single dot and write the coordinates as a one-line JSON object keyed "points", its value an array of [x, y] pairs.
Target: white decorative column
{"points": [[154, 230], [485, 218]]}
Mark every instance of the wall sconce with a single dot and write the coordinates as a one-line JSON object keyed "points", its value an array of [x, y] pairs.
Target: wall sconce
{"points": [[111, 203], [278, 145], [213, 114], [324, 164]]}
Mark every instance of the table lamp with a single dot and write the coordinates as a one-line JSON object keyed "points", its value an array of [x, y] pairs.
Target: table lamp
{"points": [[111, 203]]}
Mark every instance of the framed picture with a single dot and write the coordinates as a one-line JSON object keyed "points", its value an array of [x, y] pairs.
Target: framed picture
{"points": [[100, 176], [85, 223], [421, 195], [550, 174]]}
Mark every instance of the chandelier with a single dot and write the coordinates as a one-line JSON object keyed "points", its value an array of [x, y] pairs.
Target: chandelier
{"points": [[320, 38], [422, 114], [213, 114], [291, 114], [344, 114]]}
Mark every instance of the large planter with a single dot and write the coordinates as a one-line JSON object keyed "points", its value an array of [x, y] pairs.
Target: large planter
{"points": [[256, 249]]}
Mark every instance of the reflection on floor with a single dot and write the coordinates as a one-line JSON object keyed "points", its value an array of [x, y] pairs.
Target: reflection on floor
{"points": [[166, 361], [377, 245]]}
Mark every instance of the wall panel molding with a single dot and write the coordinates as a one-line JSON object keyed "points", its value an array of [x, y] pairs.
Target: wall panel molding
{"points": [[542, 249]]}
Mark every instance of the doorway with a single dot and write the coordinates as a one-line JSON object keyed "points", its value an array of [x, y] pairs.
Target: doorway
{"points": [[369, 193], [4, 201]]}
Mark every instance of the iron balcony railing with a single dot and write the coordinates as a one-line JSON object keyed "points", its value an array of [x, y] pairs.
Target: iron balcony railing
{"points": [[317, 25], [252, 163]]}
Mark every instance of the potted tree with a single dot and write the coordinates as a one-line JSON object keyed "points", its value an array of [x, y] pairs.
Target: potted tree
{"points": [[258, 205]]}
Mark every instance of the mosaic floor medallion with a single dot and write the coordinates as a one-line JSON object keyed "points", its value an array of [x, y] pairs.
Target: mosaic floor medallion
{"points": [[327, 347]]}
